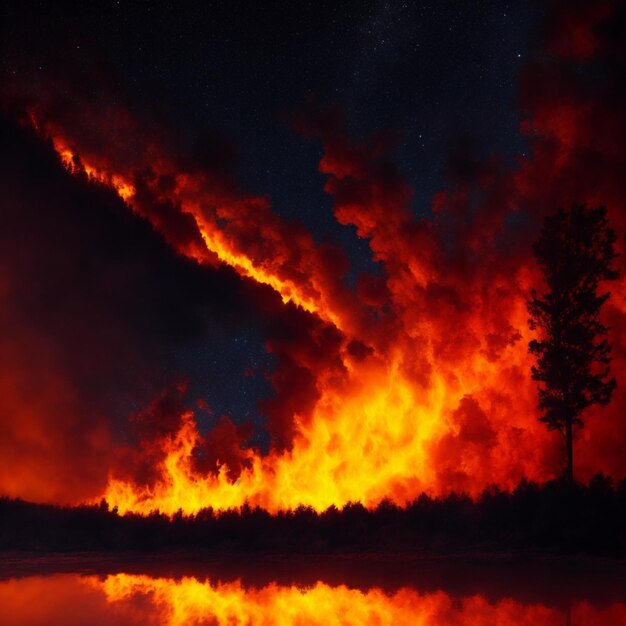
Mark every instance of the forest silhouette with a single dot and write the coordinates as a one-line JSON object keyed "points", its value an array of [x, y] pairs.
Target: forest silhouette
{"points": [[557, 517]]}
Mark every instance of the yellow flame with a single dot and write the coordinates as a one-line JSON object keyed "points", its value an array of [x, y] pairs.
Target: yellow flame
{"points": [[365, 447]]}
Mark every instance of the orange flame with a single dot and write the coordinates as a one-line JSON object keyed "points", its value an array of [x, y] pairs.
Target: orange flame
{"points": [[214, 239], [383, 426], [124, 188], [325, 466]]}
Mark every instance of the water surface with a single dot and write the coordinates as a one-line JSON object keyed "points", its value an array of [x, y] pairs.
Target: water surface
{"points": [[146, 598]]}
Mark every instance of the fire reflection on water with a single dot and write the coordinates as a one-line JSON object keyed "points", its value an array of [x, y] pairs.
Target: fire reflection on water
{"points": [[70, 599]]}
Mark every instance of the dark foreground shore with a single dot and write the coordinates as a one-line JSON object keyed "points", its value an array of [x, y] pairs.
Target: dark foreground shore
{"points": [[554, 519]]}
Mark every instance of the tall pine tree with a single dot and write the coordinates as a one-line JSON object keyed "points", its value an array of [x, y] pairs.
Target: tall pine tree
{"points": [[575, 253]]}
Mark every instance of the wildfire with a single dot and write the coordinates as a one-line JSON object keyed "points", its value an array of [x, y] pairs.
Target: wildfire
{"points": [[123, 187], [417, 380], [386, 424], [325, 466], [213, 238]]}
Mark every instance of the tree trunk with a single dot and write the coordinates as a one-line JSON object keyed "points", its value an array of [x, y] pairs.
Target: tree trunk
{"points": [[569, 443]]}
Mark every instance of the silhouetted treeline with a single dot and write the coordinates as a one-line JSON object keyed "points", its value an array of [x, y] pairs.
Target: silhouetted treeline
{"points": [[553, 518]]}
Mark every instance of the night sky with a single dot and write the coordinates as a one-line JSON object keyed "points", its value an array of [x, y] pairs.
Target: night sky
{"points": [[442, 76]]}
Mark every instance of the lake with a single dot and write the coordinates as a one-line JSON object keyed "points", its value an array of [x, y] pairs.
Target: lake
{"points": [[175, 590]]}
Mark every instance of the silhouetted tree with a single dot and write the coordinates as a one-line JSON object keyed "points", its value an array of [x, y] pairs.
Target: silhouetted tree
{"points": [[575, 253]]}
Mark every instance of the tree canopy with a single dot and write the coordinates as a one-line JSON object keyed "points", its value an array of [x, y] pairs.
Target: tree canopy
{"points": [[575, 252]]}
